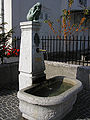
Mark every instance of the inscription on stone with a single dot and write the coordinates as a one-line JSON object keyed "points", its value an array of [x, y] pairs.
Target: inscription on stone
{"points": [[38, 59]]}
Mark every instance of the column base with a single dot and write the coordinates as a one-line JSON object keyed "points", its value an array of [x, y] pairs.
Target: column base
{"points": [[26, 80]]}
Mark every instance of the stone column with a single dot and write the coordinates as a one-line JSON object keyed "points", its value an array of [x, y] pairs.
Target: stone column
{"points": [[31, 63]]}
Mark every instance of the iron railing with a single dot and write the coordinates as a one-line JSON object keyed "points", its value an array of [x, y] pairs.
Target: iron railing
{"points": [[74, 50], [16, 42]]}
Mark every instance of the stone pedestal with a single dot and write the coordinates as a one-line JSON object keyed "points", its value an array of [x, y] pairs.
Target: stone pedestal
{"points": [[31, 63]]}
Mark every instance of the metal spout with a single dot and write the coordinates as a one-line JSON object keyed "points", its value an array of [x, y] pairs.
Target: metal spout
{"points": [[40, 50]]}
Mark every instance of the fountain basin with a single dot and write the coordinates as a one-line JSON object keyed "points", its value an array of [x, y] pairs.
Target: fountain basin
{"points": [[46, 101]]}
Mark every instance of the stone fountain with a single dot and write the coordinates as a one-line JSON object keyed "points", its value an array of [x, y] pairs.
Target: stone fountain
{"points": [[31, 63], [41, 99]]}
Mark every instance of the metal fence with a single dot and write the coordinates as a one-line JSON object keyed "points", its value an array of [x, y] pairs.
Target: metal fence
{"points": [[74, 50], [16, 42]]}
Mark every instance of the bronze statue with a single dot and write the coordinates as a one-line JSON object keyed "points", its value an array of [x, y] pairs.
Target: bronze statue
{"points": [[34, 12]]}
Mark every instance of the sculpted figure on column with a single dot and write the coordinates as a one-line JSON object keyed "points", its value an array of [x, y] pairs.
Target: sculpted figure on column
{"points": [[34, 12]]}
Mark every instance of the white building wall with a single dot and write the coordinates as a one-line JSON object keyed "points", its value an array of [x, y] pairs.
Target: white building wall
{"points": [[8, 14], [8, 17], [0, 11]]}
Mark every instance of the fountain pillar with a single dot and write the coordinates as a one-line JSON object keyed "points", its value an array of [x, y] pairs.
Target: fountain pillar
{"points": [[31, 62]]}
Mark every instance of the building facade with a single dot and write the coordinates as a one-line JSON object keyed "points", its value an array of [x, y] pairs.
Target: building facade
{"points": [[77, 14], [15, 11]]}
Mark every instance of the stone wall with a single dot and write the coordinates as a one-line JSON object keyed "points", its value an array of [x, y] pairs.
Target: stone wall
{"points": [[82, 73], [9, 72]]}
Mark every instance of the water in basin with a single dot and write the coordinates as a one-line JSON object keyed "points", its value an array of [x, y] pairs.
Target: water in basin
{"points": [[50, 89]]}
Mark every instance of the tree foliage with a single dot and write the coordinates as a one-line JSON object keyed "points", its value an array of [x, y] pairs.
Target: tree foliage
{"points": [[67, 28]]}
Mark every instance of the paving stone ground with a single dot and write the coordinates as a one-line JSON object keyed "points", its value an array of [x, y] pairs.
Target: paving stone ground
{"points": [[9, 105]]}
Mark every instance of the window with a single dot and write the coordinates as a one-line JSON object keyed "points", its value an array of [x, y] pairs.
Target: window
{"points": [[83, 2]]}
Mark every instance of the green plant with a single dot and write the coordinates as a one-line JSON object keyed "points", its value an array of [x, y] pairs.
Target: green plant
{"points": [[6, 49]]}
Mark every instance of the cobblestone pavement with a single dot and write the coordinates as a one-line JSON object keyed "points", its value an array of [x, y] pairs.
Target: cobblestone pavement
{"points": [[81, 109], [9, 106]]}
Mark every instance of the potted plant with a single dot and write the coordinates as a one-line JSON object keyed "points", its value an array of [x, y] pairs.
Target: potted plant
{"points": [[8, 72]]}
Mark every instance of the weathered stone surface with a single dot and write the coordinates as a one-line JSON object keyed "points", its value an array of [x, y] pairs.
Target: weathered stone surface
{"points": [[31, 63], [9, 104], [48, 108], [79, 72]]}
